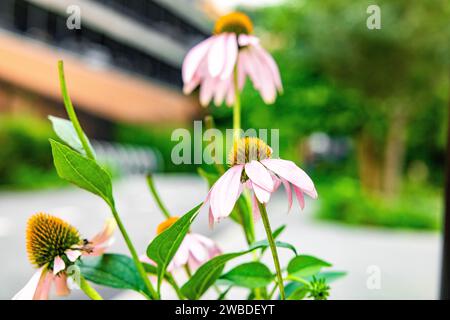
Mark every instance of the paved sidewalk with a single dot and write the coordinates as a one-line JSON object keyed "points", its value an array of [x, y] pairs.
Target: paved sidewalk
{"points": [[408, 262]]}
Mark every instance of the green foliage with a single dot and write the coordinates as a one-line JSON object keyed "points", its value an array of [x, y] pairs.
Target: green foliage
{"points": [[249, 275], [66, 132], [112, 270], [25, 159], [305, 266], [418, 207], [81, 171], [162, 249], [208, 273]]}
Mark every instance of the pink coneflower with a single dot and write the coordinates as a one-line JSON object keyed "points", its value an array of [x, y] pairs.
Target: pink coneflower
{"points": [[53, 245], [212, 62], [252, 167], [193, 251]]}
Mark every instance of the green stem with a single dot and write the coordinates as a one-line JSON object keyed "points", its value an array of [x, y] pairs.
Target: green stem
{"points": [[71, 112], [273, 248], [175, 286], [134, 255], [236, 107], [155, 194], [88, 290]]}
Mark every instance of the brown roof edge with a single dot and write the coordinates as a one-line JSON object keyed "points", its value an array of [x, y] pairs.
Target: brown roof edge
{"points": [[105, 92]]}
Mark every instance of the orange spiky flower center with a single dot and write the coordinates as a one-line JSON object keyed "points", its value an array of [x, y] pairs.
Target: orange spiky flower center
{"points": [[163, 226], [48, 237], [248, 149], [235, 22]]}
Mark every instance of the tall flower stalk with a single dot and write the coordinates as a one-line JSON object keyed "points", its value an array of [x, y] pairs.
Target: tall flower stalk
{"points": [[273, 248], [90, 154]]}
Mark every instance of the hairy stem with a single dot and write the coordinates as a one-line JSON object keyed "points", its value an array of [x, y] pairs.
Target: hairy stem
{"points": [[273, 248], [156, 196], [71, 112], [88, 290], [134, 255]]}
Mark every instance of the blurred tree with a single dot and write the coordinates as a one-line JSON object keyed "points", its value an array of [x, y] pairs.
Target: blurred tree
{"points": [[344, 79]]}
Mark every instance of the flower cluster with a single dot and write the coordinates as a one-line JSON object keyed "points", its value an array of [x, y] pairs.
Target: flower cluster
{"points": [[219, 66]]}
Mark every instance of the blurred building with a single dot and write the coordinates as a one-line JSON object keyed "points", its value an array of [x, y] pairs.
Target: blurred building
{"points": [[122, 65]]}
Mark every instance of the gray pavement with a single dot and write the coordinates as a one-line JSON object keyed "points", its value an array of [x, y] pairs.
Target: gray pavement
{"points": [[406, 262]]}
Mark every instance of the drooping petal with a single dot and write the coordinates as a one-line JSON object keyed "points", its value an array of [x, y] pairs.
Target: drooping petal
{"points": [[255, 208], [300, 198], [194, 58], [266, 84], [207, 90], [258, 174], [231, 56], [29, 290], [261, 194], [216, 55], [289, 171], [288, 192], [271, 64], [61, 285], [220, 91], [58, 265], [44, 286], [73, 255], [181, 256], [225, 192], [101, 241], [197, 250]]}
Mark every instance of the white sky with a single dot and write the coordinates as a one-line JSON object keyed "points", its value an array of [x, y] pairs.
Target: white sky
{"points": [[228, 5]]}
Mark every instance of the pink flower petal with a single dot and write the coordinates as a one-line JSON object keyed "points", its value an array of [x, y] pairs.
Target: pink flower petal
{"points": [[266, 87], [207, 90], [231, 56], [73, 255], [255, 208], [216, 55], [288, 192], [225, 192], [181, 256], [246, 40], [197, 250], [289, 171], [194, 57], [29, 290], [104, 237], [258, 174], [300, 198], [270, 62], [61, 285], [44, 286], [220, 91], [58, 265], [261, 194]]}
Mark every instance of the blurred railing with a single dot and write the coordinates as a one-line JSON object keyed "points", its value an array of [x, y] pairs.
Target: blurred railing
{"points": [[127, 159]]}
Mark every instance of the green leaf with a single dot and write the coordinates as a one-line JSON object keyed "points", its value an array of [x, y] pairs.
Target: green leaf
{"points": [[275, 235], [330, 276], [304, 266], [279, 244], [162, 249], [298, 293], [65, 130], [207, 274], [112, 270], [81, 171], [249, 275]]}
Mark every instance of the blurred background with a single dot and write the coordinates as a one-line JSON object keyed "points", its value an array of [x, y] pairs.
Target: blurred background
{"points": [[364, 112]]}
